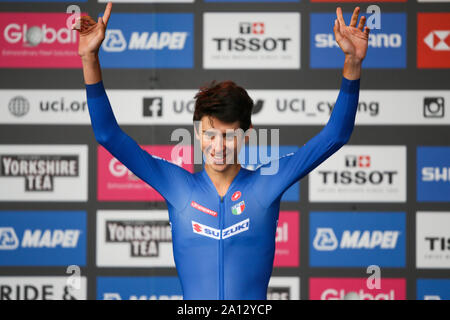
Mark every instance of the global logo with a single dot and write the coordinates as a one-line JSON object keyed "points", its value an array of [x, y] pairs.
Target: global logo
{"points": [[19, 106], [33, 36]]}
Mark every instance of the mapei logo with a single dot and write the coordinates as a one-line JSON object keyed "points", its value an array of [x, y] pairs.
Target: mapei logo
{"points": [[138, 40], [8, 239], [38, 238], [115, 41], [117, 296], [351, 239], [218, 234], [325, 239]]}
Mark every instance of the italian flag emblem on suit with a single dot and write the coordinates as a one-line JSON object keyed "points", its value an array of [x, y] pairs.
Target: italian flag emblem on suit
{"points": [[238, 208]]}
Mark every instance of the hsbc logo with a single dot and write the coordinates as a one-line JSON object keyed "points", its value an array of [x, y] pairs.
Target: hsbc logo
{"points": [[433, 40], [438, 40], [218, 234]]}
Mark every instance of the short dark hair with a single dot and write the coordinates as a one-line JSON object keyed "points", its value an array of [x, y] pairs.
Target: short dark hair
{"points": [[225, 101]]}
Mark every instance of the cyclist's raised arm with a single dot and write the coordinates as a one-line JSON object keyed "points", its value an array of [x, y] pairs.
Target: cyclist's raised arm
{"points": [[170, 180]]}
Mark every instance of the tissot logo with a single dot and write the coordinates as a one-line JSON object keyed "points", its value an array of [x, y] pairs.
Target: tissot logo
{"points": [[352, 161], [251, 28], [438, 243], [433, 239], [361, 173], [251, 40]]}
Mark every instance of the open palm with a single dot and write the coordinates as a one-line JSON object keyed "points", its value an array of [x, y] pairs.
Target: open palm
{"points": [[352, 39], [92, 33]]}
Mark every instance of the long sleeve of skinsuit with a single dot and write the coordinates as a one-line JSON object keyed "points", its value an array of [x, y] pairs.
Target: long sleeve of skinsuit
{"points": [[332, 137], [168, 179]]}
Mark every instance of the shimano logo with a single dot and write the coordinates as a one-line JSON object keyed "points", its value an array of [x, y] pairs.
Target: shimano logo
{"points": [[435, 174], [380, 40], [325, 239], [116, 42], [218, 234]]}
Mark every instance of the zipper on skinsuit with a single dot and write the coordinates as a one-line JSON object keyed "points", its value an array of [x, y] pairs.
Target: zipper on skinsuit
{"points": [[221, 282]]}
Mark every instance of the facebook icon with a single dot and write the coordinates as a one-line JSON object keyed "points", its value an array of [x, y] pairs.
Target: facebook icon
{"points": [[153, 107]]}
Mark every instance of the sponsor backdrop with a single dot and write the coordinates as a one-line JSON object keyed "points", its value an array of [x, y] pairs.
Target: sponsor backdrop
{"points": [[77, 224]]}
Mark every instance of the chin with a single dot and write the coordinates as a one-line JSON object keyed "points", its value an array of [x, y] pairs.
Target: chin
{"points": [[219, 167]]}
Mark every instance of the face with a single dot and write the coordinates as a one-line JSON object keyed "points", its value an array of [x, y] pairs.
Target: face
{"points": [[220, 142]]}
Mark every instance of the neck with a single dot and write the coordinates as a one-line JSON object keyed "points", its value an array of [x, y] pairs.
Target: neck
{"points": [[224, 176]]}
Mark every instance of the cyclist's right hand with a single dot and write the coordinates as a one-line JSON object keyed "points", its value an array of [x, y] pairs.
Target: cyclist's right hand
{"points": [[92, 33]]}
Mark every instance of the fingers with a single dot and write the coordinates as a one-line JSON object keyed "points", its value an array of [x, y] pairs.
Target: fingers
{"points": [[362, 21], [367, 30], [340, 17], [83, 22], [337, 31], [107, 13], [354, 19]]}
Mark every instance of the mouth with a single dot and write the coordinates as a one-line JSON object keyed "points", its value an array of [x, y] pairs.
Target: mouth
{"points": [[217, 159]]}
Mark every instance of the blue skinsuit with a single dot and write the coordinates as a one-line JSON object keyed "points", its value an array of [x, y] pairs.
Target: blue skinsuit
{"points": [[223, 247]]}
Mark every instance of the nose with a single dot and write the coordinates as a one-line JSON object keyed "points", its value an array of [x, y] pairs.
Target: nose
{"points": [[218, 144]]}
